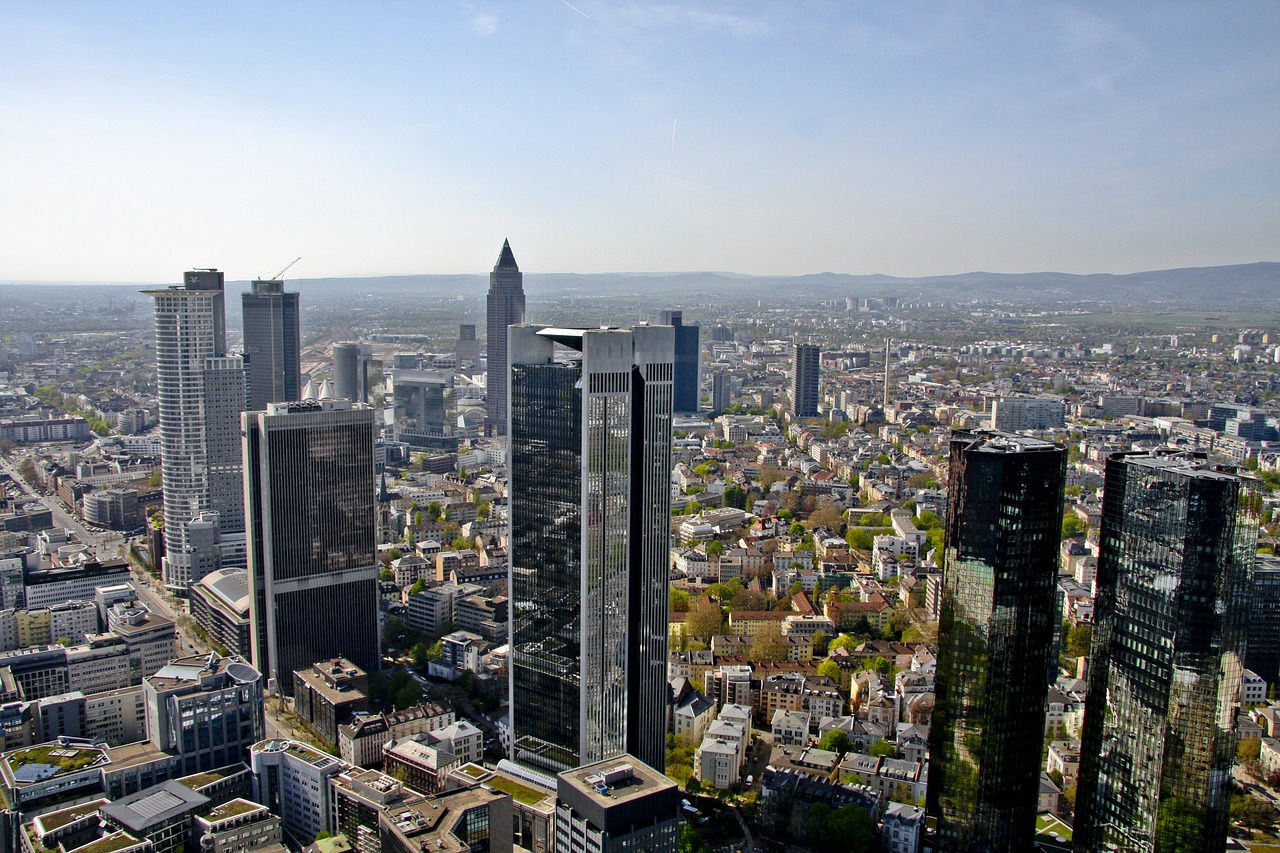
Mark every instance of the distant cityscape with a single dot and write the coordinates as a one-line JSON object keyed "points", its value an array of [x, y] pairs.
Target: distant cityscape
{"points": [[699, 566]]}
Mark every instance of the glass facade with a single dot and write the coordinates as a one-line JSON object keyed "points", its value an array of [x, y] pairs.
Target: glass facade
{"points": [[590, 516], [1262, 654], [311, 537], [995, 640], [804, 381], [271, 344], [1174, 570]]}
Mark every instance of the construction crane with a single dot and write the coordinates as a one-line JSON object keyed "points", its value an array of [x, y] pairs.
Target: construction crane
{"points": [[276, 277]]}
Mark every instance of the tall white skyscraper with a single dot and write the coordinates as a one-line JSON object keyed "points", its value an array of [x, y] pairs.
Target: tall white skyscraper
{"points": [[202, 393], [590, 435]]}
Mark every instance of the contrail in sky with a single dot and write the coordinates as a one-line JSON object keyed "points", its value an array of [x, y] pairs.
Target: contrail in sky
{"points": [[576, 9], [673, 134]]}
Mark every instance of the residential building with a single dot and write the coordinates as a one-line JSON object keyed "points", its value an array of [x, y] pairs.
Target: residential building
{"points": [[996, 639], [590, 515], [271, 344], [804, 381], [312, 536], [504, 307], [1177, 545], [1019, 414]]}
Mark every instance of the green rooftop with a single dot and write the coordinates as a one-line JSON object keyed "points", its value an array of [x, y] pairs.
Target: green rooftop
{"points": [[520, 793], [110, 843], [196, 781], [232, 808], [68, 759]]}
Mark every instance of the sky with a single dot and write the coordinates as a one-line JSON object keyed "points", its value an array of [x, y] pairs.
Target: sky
{"points": [[141, 139]]}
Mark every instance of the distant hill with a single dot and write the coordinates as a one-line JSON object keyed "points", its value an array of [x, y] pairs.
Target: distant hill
{"points": [[1238, 285]]}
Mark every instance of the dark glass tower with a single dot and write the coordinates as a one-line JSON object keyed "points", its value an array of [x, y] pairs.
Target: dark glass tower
{"points": [[1262, 653], [1177, 544], [687, 379], [995, 640], [804, 381], [590, 532], [505, 308], [271, 344], [311, 536]]}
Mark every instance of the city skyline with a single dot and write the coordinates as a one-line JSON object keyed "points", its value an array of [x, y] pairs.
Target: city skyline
{"points": [[763, 139]]}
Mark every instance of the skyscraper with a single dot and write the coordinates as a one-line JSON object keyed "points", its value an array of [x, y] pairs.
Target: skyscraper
{"points": [[313, 572], [687, 381], [271, 344], [804, 381], [590, 441], [351, 371], [721, 391], [201, 393], [1176, 546], [505, 308], [995, 640]]}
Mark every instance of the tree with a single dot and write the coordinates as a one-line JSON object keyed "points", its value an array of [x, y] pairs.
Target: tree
{"points": [[844, 641], [1071, 525], [796, 529], [820, 643], [735, 496], [704, 622], [859, 538], [837, 741], [748, 600], [419, 585], [1249, 749], [434, 511], [1253, 812], [408, 695], [715, 548], [769, 646], [829, 669], [1078, 639], [880, 665], [883, 749], [387, 576], [679, 600], [690, 841]]}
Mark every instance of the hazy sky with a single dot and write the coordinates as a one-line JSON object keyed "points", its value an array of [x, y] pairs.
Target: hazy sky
{"points": [[141, 139]]}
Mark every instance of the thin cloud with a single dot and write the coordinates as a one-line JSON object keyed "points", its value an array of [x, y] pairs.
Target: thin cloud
{"points": [[666, 16]]}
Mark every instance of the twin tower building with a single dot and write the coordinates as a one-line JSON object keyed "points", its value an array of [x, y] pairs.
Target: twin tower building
{"points": [[286, 487]]}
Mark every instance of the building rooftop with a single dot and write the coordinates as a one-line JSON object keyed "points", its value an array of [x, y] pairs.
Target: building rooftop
{"points": [[154, 806], [616, 780]]}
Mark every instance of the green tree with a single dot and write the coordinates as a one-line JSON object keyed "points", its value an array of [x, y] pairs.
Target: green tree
{"points": [[419, 585], [883, 749], [769, 646], [844, 641], [796, 529], [1071, 524], [735, 496], [715, 548], [837, 741], [829, 669], [820, 643], [704, 622], [1078, 639], [408, 695], [880, 665], [387, 576], [690, 841], [679, 600]]}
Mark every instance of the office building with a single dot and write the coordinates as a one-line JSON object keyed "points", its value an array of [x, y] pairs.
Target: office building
{"points": [[505, 307], [995, 640], [351, 365], [294, 780], [590, 536], [310, 491], [205, 709], [202, 393], [220, 606], [271, 344], [687, 382], [1176, 548], [804, 381], [467, 351], [418, 397], [1262, 651], [615, 806]]}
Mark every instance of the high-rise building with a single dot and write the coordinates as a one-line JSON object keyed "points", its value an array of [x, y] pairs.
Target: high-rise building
{"points": [[201, 392], [721, 391], [590, 436], [687, 381], [205, 709], [1262, 654], [804, 381], [271, 344], [995, 640], [313, 574], [505, 307], [418, 397], [467, 350], [1176, 546], [351, 364]]}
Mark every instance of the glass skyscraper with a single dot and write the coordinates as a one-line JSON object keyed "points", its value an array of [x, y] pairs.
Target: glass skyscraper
{"points": [[271, 344], [309, 490], [995, 640], [1177, 543], [687, 377], [504, 307], [590, 435]]}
